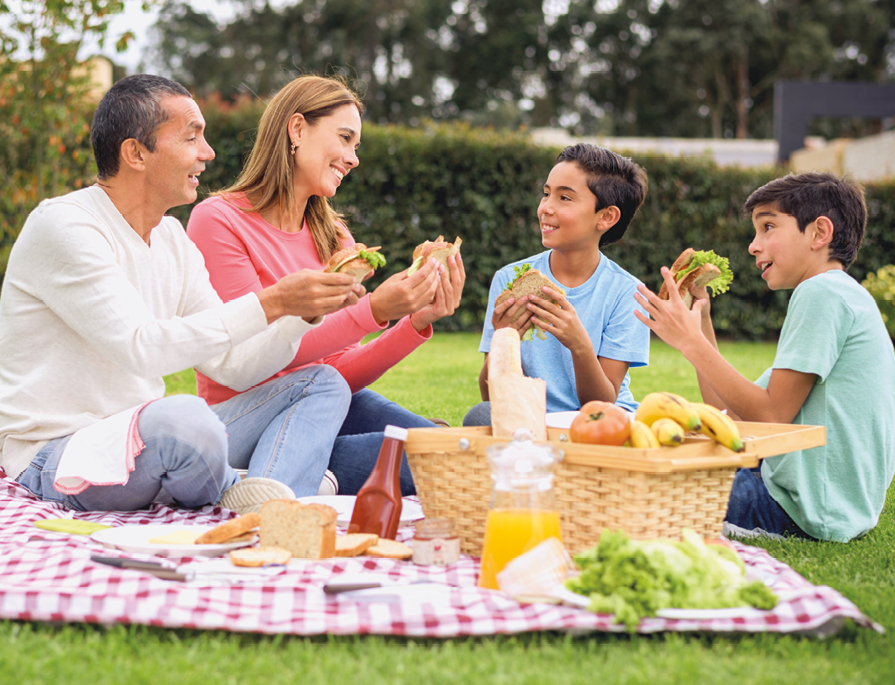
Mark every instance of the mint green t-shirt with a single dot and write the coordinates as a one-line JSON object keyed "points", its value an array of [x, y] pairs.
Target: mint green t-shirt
{"points": [[833, 329]]}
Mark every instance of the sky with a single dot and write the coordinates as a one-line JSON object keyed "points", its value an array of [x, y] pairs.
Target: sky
{"points": [[135, 19]]}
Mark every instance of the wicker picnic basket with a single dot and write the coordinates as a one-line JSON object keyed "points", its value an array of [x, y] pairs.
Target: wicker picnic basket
{"points": [[653, 493]]}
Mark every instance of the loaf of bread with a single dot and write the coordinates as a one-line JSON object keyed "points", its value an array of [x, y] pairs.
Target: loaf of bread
{"points": [[505, 355], [308, 531]]}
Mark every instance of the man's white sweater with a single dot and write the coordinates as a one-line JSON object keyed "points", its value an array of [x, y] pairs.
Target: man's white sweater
{"points": [[92, 318]]}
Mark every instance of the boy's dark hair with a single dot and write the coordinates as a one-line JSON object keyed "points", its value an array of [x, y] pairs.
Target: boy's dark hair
{"points": [[132, 108], [614, 179], [810, 195]]}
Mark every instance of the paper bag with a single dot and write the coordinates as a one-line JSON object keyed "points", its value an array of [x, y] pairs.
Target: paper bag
{"points": [[518, 402]]}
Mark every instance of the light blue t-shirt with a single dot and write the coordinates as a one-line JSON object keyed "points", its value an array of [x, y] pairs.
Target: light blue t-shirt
{"points": [[833, 329], [605, 304]]}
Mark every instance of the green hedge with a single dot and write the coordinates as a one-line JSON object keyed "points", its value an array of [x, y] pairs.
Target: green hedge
{"points": [[484, 186]]}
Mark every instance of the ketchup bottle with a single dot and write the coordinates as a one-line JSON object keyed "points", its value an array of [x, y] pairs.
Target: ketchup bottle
{"points": [[378, 506]]}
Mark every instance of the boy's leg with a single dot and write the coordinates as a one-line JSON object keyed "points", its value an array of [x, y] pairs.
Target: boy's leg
{"points": [[357, 447], [751, 506], [185, 452], [285, 428], [479, 415]]}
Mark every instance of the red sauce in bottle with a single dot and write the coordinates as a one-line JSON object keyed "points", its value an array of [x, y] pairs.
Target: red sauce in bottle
{"points": [[378, 506]]}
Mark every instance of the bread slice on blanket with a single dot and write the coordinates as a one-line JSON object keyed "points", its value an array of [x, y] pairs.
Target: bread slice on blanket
{"points": [[390, 549], [259, 556], [308, 531], [354, 544], [228, 530]]}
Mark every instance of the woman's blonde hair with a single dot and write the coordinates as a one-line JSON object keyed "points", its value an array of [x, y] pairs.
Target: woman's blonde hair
{"points": [[267, 178]]}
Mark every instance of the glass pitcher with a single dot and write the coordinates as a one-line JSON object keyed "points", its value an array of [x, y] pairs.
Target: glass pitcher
{"points": [[523, 510]]}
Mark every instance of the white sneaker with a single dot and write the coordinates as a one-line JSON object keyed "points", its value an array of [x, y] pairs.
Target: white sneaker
{"points": [[329, 485], [250, 493]]}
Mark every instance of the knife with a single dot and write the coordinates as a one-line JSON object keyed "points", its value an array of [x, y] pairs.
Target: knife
{"points": [[152, 567]]}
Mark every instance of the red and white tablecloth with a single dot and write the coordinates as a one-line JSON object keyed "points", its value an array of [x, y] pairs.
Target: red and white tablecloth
{"points": [[48, 576]]}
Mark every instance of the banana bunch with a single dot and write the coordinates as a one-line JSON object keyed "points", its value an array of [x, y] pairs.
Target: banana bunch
{"points": [[720, 427], [667, 405]]}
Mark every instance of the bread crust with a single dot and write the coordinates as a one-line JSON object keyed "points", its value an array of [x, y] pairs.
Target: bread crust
{"points": [[230, 529]]}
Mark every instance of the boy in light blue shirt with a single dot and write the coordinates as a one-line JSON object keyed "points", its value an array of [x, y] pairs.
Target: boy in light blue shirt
{"points": [[592, 337], [835, 365]]}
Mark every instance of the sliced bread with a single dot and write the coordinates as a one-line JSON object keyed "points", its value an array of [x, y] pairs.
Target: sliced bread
{"points": [[259, 556], [390, 549], [354, 544], [230, 529]]}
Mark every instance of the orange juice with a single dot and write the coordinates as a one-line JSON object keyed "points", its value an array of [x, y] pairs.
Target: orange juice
{"points": [[510, 533]]}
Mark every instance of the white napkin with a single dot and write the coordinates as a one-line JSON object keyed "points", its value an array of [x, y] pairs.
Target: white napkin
{"points": [[101, 454]]}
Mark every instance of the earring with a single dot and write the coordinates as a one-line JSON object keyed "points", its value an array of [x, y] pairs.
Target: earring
{"points": [[292, 149]]}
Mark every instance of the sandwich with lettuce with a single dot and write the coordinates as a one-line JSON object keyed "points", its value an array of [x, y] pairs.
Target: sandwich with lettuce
{"points": [[700, 268]]}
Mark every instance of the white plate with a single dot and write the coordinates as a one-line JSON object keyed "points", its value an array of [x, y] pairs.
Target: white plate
{"points": [[560, 419], [344, 505], [135, 539], [575, 599], [563, 419]]}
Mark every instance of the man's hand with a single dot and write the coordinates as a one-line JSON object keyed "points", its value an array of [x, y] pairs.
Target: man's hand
{"points": [[447, 295], [309, 294], [401, 294]]}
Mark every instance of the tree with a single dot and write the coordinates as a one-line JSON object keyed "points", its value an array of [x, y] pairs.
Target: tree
{"points": [[44, 116]]}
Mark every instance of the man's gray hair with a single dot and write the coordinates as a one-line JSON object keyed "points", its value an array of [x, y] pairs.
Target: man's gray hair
{"points": [[131, 109]]}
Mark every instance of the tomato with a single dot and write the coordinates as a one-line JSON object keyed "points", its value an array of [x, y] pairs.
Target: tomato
{"points": [[601, 423]]}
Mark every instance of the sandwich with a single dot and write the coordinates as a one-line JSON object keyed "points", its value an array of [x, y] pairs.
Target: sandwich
{"points": [[358, 260], [438, 250], [528, 281], [699, 268]]}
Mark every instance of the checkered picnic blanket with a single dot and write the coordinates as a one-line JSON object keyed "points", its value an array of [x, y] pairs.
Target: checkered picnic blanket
{"points": [[48, 576]]}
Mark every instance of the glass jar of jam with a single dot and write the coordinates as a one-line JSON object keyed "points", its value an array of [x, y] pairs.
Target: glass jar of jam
{"points": [[435, 543]]}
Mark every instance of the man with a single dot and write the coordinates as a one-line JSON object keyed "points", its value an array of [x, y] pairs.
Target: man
{"points": [[104, 295]]}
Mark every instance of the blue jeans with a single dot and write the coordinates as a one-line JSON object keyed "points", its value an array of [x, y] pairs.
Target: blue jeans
{"points": [[751, 506], [479, 415], [357, 447], [185, 453], [285, 429]]}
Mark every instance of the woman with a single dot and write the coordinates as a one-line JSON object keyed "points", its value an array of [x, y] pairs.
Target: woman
{"points": [[276, 219]]}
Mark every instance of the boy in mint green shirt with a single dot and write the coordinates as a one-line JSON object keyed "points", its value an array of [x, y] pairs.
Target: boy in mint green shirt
{"points": [[835, 365]]}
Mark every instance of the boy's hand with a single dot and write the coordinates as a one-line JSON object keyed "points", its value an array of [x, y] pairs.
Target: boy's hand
{"points": [[670, 319], [560, 319], [506, 310]]}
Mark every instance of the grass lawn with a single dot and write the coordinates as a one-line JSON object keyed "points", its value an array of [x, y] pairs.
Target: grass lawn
{"points": [[439, 379]]}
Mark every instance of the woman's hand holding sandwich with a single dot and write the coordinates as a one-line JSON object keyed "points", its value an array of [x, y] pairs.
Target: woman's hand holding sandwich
{"points": [[403, 294], [447, 294]]}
